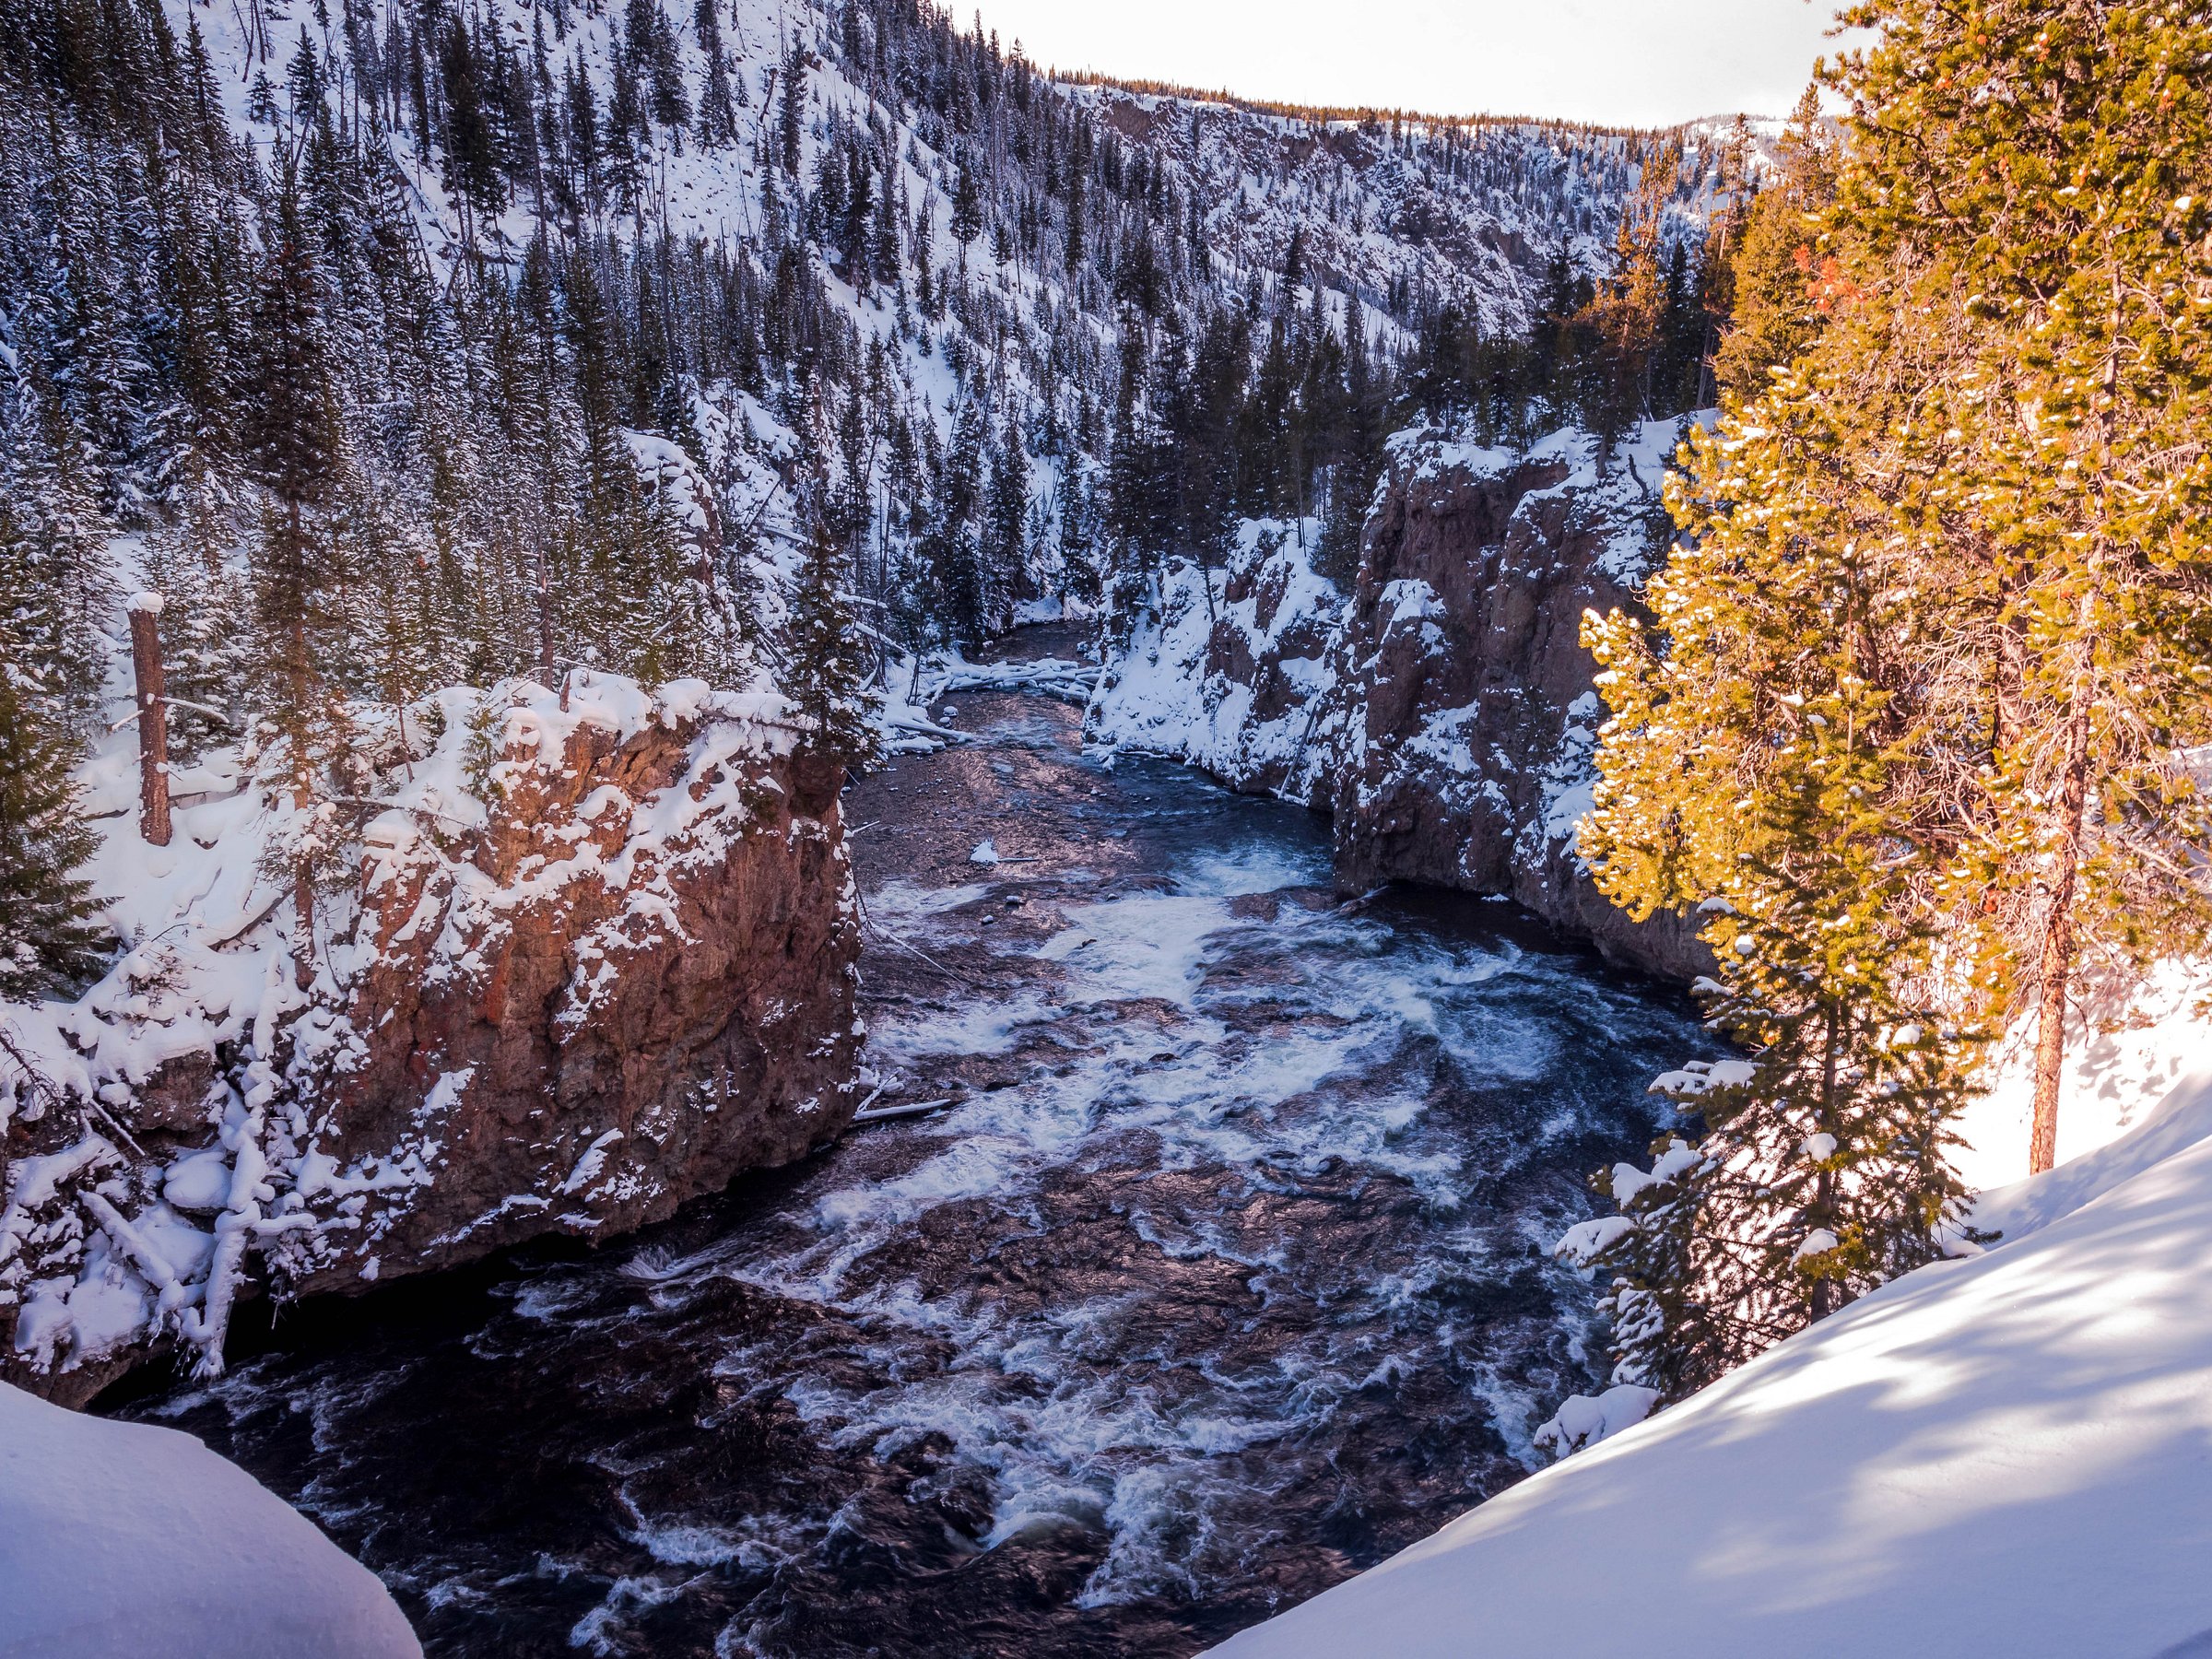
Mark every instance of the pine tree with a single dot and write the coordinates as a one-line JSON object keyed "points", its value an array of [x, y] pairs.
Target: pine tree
{"points": [[653, 42], [790, 110], [205, 651], [296, 445], [1964, 527], [49, 944], [1779, 291], [1007, 509], [827, 678], [967, 206], [953, 547], [472, 151], [717, 112], [1767, 763], [2068, 429], [1822, 1169], [1626, 318], [61, 587], [2009, 340]]}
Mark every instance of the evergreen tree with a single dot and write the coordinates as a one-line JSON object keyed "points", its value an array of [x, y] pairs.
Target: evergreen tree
{"points": [[827, 678], [1764, 768], [1779, 289], [205, 655], [954, 547], [49, 944], [717, 112], [790, 110], [61, 588], [1946, 585], [472, 152], [1625, 321], [967, 206], [1007, 509], [2044, 204], [295, 439]]}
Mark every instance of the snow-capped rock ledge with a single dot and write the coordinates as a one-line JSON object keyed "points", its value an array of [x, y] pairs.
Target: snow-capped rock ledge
{"points": [[1442, 710], [121, 1538], [589, 955]]}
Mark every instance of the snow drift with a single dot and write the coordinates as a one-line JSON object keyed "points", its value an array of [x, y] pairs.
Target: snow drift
{"points": [[121, 1538], [2009, 1455]]}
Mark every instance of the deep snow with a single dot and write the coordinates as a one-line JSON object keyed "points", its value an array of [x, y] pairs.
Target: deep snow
{"points": [[124, 1539], [2006, 1455]]}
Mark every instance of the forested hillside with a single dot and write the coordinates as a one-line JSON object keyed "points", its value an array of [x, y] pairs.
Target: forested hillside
{"points": [[377, 326], [406, 403]]}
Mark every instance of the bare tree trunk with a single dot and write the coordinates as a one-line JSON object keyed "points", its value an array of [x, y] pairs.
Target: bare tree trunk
{"points": [[2057, 966], [303, 780], [1824, 1185], [153, 719]]}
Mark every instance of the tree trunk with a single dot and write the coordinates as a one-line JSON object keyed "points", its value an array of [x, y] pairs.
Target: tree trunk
{"points": [[153, 719], [2057, 966], [1824, 1184], [303, 944], [300, 673], [545, 626]]}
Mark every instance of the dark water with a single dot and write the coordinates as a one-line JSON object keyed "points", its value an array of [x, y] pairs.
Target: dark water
{"points": [[1224, 1279]]}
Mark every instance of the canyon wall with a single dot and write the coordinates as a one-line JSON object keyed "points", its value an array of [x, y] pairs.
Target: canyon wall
{"points": [[583, 957], [1442, 710]]}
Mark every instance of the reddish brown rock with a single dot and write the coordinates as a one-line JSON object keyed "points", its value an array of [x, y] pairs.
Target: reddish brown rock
{"points": [[599, 958], [1442, 711], [578, 1016], [1468, 692]]}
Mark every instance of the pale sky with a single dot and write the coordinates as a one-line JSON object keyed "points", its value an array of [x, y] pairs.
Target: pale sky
{"points": [[1641, 63]]}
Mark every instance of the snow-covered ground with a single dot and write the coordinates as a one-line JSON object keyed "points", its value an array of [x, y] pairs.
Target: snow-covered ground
{"points": [[2009, 1455], [123, 1540], [2116, 1076]]}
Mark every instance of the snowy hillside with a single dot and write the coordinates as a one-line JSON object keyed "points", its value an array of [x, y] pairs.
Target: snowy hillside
{"points": [[2003, 1455]]}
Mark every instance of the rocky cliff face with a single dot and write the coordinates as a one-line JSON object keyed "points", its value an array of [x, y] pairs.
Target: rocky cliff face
{"points": [[1442, 711], [584, 963]]}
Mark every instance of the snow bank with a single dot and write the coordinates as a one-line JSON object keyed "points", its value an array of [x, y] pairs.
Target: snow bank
{"points": [[2008, 1455], [911, 689], [122, 1538]]}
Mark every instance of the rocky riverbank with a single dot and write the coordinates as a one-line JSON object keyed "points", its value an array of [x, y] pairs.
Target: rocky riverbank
{"points": [[583, 956], [1442, 708]]}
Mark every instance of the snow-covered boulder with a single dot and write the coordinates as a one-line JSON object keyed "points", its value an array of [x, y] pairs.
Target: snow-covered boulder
{"points": [[123, 1540], [2008, 1455]]}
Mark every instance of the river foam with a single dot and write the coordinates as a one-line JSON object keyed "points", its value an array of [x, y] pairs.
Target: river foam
{"points": [[1220, 1278]]}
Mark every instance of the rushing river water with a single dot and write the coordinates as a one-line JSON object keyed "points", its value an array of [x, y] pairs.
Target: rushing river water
{"points": [[1224, 1277]]}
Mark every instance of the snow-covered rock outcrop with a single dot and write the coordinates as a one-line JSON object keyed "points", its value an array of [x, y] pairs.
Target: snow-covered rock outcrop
{"points": [[581, 955], [2009, 1455], [123, 1538], [1442, 710]]}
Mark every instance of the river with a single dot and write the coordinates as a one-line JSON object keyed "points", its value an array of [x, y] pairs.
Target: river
{"points": [[1224, 1276]]}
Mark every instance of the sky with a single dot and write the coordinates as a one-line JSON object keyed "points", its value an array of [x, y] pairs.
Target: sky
{"points": [[1641, 63]]}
